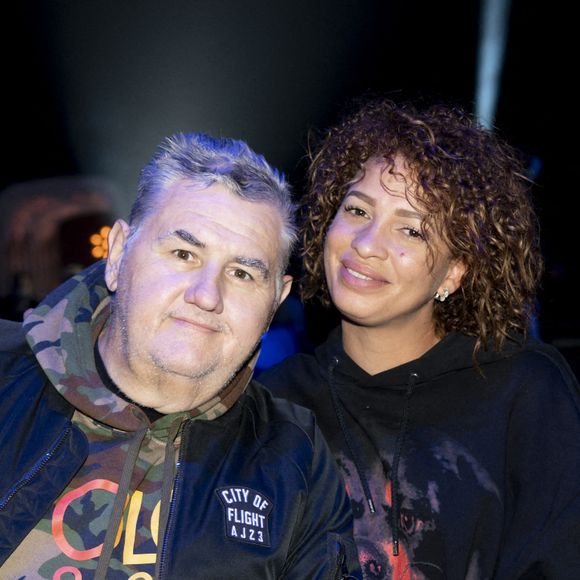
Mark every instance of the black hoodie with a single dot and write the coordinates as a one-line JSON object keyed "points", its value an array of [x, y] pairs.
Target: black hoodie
{"points": [[453, 472]]}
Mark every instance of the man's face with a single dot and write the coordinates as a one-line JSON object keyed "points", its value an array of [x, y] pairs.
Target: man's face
{"points": [[195, 287]]}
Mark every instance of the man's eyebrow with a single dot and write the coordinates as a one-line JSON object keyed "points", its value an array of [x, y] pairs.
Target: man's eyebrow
{"points": [[186, 237], [254, 263]]}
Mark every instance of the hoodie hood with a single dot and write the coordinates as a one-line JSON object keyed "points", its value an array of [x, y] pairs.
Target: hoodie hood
{"points": [[62, 331], [452, 353]]}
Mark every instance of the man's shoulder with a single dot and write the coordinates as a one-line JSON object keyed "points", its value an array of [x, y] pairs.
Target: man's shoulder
{"points": [[282, 419], [298, 378], [273, 408], [22, 381], [12, 337], [16, 356]]}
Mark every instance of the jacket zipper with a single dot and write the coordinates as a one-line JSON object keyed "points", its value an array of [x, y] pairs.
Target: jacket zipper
{"points": [[341, 570], [35, 469], [340, 562], [176, 489]]}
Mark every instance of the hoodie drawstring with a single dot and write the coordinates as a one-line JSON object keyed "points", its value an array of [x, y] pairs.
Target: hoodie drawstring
{"points": [[395, 506], [119, 504], [399, 444], [348, 438]]}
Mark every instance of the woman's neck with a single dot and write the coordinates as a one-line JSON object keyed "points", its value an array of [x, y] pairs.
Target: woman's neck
{"points": [[378, 349]]}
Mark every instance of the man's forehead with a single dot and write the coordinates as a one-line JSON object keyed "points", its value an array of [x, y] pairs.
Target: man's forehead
{"points": [[213, 199], [206, 235], [215, 215]]}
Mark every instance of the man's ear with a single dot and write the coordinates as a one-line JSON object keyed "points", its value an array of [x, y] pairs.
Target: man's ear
{"points": [[286, 287], [117, 244], [454, 276]]}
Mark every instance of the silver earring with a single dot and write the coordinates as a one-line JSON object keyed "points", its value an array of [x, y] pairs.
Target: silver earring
{"points": [[443, 296]]}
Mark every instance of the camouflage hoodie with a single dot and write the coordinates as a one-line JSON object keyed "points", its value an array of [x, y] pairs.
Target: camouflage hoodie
{"points": [[109, 520]]}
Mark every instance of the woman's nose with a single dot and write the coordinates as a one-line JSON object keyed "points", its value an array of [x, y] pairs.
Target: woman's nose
{"points": [[370, 242]]}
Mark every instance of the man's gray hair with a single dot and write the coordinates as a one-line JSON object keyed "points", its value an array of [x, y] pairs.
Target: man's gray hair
{"points": [[203, 160]]}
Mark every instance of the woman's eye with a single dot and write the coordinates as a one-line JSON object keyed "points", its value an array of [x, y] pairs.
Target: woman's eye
{"points": [[182, 254], [414, 233], [357, 211]]}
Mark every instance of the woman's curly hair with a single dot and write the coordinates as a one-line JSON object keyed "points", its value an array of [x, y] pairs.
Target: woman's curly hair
{"points": [[474, 192]]}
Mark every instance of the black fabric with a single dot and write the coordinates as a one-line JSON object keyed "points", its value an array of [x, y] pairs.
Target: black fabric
{"points": [[36, 436], [152, 414], [489, 467]]}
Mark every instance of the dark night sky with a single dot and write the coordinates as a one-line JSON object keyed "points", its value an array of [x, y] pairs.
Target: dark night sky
{"points": [[91, 87]]}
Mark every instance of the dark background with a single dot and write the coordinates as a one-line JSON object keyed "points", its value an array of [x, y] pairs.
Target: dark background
{"points": [[90, 87]]}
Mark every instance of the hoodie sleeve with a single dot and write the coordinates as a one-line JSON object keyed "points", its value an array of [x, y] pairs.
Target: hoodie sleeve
{"points": [[323, 546], [542, 531]]}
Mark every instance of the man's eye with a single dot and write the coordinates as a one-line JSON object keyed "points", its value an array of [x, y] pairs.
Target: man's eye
{"points": [[182, 254], [242, 274]]}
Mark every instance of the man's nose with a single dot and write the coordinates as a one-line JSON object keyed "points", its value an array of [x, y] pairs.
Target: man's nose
{"points": [[371, 242], [205, 290]]}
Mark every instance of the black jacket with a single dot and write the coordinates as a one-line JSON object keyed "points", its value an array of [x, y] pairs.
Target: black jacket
{"points": [[474, 473], [267, 446]]}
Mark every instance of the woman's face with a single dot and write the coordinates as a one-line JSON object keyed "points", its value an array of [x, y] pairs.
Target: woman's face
{"points": [[376, 257]]}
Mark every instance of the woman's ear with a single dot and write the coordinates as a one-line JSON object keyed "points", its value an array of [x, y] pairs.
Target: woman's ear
{"points": [[454, 276]]}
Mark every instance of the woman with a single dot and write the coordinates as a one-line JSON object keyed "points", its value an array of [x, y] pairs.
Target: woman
{"points": [[457, 434]]}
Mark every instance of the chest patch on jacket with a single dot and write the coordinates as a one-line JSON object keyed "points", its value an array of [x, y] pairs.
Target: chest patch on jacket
{"points": [[245, 514]]}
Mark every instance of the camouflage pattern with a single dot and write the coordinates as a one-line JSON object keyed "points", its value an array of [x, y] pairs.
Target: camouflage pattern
{"points": [[62, 332]]}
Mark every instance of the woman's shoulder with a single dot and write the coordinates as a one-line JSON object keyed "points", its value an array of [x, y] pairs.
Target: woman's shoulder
{"points": [[294, 373], [537, 358], [537, 371]]}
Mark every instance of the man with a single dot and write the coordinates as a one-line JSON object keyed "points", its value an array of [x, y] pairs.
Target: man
{"points": [[133, 443]]}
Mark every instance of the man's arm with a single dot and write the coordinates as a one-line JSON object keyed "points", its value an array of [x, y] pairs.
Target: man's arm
{"points": [[323, 546]]}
